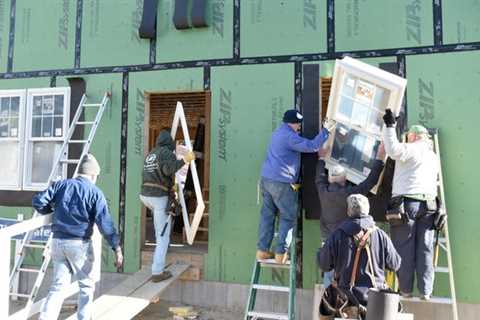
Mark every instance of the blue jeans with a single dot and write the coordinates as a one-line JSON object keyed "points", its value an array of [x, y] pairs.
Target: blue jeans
{"points": [[70, 258], [161, 220], [414, 244], [277, 197]]}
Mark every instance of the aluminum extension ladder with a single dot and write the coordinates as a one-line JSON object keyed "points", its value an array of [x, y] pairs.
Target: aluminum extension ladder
{"points": [[443, 240], [250, 314], [60, 165]]}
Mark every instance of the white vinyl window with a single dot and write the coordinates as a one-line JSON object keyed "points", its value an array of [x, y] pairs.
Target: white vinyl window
{"points": [[34, 133], [359, 95]]}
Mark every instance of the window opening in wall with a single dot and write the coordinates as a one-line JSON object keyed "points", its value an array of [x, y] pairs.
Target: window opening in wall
{"points": [[160, 110], [33, 125]]}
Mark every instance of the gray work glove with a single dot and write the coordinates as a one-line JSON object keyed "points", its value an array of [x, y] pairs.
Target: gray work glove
{"points": [[118, 258]]}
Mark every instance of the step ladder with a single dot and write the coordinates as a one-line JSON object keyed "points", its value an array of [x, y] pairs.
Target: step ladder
{"points": [[60, 166], [443, 242], [255, 286]]}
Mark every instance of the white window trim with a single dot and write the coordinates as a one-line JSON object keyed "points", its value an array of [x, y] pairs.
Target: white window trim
{"points": [[28, 140], [364, 71], [20, 137]]}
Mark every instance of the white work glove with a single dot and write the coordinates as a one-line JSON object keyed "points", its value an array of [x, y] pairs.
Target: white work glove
{"points": [[329, 124]]}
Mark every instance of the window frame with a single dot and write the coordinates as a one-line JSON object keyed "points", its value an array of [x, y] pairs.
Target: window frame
{"points": [[362, 71], [21, 93], [29, 140]]}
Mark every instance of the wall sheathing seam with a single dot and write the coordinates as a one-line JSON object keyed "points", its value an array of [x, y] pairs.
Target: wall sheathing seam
{"points": [[11, 37], [153, 50], [206, 78], [331, 26], [123, 160], [402, 72], [437, 23], [314, 57], [236, 30], [78, 33]]}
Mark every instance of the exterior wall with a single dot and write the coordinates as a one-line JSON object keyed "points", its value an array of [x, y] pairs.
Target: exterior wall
{"points": [[251, 59]]}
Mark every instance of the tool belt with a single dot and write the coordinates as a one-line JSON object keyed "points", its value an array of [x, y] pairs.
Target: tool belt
{"points": [[396, 214], [335, 303], [156, 185]]}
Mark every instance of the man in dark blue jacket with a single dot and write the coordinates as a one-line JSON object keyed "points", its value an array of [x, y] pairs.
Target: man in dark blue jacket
{"points": [[280, 173], [77, 204], [338, 252]]}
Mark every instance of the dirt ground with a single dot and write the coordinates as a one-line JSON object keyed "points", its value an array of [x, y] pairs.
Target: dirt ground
{"points": [[159, 311]]}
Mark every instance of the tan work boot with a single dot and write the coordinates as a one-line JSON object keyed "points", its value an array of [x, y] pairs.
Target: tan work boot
{"points": [[264, 255], [161, 276], [281, 258]]}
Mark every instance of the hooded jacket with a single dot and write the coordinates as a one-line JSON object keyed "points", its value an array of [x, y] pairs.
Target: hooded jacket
{"points": [[160, 166], [333, 196], [338, 253]]}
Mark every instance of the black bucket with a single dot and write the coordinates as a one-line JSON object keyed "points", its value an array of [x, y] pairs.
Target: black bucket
{"points": [[382, 305]]}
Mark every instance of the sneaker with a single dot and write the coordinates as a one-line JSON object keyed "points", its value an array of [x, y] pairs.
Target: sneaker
{"points": [[406, 295], [425, 297], [281, 258], [162, 276], [264, 255]]}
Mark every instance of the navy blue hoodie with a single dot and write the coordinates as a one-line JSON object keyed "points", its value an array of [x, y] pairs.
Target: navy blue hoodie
{"points": [[338, 253]]}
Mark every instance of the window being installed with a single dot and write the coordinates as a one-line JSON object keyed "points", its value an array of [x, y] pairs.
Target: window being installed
{"points": [[359, 95], [33, 125]]}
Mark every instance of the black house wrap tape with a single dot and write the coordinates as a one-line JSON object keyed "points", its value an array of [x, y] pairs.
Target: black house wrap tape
{"points": [[148, 26], [310, 104], [180, 17], [199, 19]]}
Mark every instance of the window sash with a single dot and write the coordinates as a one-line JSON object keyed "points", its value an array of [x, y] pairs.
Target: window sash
{"points": [[348, 68], [18, 140], [33, 142]]}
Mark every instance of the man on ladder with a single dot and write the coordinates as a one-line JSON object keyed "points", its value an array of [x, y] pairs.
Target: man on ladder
{"points": [[411, 211], [77, 205]]}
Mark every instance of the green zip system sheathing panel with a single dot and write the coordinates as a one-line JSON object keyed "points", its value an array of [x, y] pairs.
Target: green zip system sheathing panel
{"points": [[139, 83], [247, 105], [106, 145], [379, 24], [110, 33], [44, 34], [4, 32], [443, 93], [264, 27], [214, 42], [461, 21]]}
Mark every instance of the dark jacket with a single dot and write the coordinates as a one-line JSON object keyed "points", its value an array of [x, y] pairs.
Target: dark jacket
{"points": [[77, 205], [160, 166], [338, 253], [333, 196]]}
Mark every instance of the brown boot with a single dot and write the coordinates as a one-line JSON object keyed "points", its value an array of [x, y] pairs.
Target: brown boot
{"points": [[162, 276], [264, 255], [281, 258]]}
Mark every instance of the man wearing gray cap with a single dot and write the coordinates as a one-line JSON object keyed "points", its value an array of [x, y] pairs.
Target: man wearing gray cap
{"points": [[358, 252], [280, 172], [414, 192], [77, 204], [333, 190]]}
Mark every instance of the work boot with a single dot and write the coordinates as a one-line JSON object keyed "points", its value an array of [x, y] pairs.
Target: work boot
{"points": [[161, 276], [281, 258], [425, 297], [264, 255]]}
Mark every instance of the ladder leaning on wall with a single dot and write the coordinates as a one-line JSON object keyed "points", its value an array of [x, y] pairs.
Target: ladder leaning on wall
{"points": [[60, 165]]}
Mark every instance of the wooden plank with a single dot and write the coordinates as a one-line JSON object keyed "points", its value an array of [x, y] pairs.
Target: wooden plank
{"points": [[130, 306]]}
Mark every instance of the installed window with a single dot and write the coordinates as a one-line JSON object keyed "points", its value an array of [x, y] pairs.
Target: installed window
{"points": [[33, 126], [359, 95]]}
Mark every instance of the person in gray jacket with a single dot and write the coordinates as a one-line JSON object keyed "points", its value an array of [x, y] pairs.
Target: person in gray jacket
{"points": [[333, 190]]}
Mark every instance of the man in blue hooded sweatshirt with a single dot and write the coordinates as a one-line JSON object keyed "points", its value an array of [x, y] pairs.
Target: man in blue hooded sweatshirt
{"points": [[280, 173], [340, 250]]}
